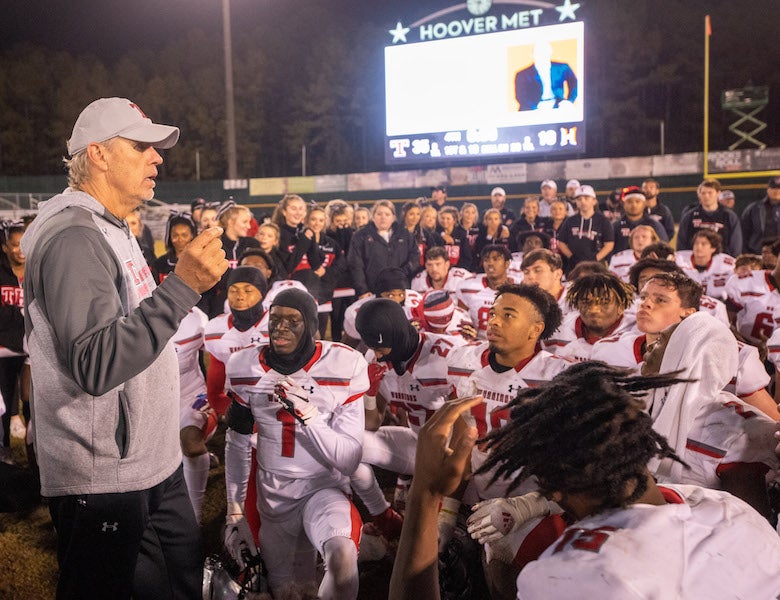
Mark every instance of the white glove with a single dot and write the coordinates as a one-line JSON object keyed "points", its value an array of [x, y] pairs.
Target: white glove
{"points": [[496, 518], [238, 538], [296, 400]]}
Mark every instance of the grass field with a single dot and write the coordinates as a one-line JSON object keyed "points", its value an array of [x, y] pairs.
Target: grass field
{"points": [[28, 560]]}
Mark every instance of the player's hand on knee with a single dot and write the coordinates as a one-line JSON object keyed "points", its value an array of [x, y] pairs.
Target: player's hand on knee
{"points": [[496, 518], [202, 262], [238, 538], [296, 400]]}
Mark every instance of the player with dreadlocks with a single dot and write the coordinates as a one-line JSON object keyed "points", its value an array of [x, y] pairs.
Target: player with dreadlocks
{"points": [[600, 301], [587, 439], [594, 462]]}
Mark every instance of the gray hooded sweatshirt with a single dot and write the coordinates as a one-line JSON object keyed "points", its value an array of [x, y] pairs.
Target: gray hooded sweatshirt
{"points": [[105, 382]]}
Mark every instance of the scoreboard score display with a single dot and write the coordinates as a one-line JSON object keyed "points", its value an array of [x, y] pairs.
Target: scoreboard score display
{"points": [[485, 86]]}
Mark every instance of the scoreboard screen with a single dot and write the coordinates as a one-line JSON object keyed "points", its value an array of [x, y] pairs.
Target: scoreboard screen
{"points": [[517, 93]]}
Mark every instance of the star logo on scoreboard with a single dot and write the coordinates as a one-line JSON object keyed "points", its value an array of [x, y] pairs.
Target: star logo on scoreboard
{"points": [[399, 33], [567, 10]]}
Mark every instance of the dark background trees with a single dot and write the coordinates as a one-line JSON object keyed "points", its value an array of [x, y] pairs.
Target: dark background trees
{"points": [[312, 74]]}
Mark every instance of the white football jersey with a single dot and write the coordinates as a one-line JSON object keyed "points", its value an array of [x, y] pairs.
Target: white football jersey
{"points": [[222, 339], [422, 283], [423, 388], [570, 339], [302, 459], [713, 279], [757, 299], [691, 547], [188, 341], [562, 303], [621, 262], [476, 297], [412, 300], [751, 375], [726, 433], [624, 350], [773, 349], [470, 373]]}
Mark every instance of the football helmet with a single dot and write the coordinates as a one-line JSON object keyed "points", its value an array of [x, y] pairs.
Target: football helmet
{"points": [[249, 584]]}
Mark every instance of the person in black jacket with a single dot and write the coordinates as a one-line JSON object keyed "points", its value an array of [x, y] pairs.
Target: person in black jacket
{"points": [[657, 210], [411, 213], [296, 246], [709, 214], [180, 230], [12, 355], [529, 220], [235, 221], [491, 231], [455, 237], [329, 272], [143, 235], [340, 229], [268, 236], [380, 244], [634, 214]]}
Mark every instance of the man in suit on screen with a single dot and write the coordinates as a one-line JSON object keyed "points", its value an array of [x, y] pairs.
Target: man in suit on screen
{"points": [[541, 85]]}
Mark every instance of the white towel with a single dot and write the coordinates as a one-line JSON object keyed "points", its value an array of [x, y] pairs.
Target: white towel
{"points": [[702, 348]]}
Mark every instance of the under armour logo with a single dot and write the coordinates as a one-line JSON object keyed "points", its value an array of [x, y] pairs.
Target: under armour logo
{"points": [[414, 387], [308, 388], [511, 388], [255, 340], [112, 526]]}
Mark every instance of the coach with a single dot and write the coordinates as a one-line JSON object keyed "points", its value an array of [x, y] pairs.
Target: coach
{"points": [[105, 376]]}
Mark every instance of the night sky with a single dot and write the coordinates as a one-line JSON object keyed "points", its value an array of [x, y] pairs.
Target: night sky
{"points": [[743, 49], [108, 28]]}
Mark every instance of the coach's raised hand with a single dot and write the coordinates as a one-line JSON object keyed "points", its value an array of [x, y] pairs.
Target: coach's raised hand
{"points": [[202, 262]]}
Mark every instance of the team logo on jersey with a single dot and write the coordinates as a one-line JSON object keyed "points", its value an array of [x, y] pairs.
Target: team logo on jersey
{"points": [[414, 387], [112, 526], [12, 295]]}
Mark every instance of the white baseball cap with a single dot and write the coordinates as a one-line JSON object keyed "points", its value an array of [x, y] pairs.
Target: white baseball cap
{"points": [[585, 190], [498, 190], [108, 118], [550, 183], [572, 183]]}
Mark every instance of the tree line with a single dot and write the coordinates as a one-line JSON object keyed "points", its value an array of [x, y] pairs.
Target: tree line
{"points": [[322, 85]]}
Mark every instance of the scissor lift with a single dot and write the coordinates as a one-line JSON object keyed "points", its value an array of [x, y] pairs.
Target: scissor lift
{"points": [[746, 103]]}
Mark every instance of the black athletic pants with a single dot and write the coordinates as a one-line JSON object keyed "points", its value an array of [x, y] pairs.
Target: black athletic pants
{"points": [[10, 370], [146, 544]]}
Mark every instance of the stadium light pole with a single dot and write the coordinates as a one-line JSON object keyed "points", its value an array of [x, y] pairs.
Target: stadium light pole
{"points": [[230, 111]]}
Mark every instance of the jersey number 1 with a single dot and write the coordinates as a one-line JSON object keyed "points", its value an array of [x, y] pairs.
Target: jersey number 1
{"points": [[288, 432]]}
